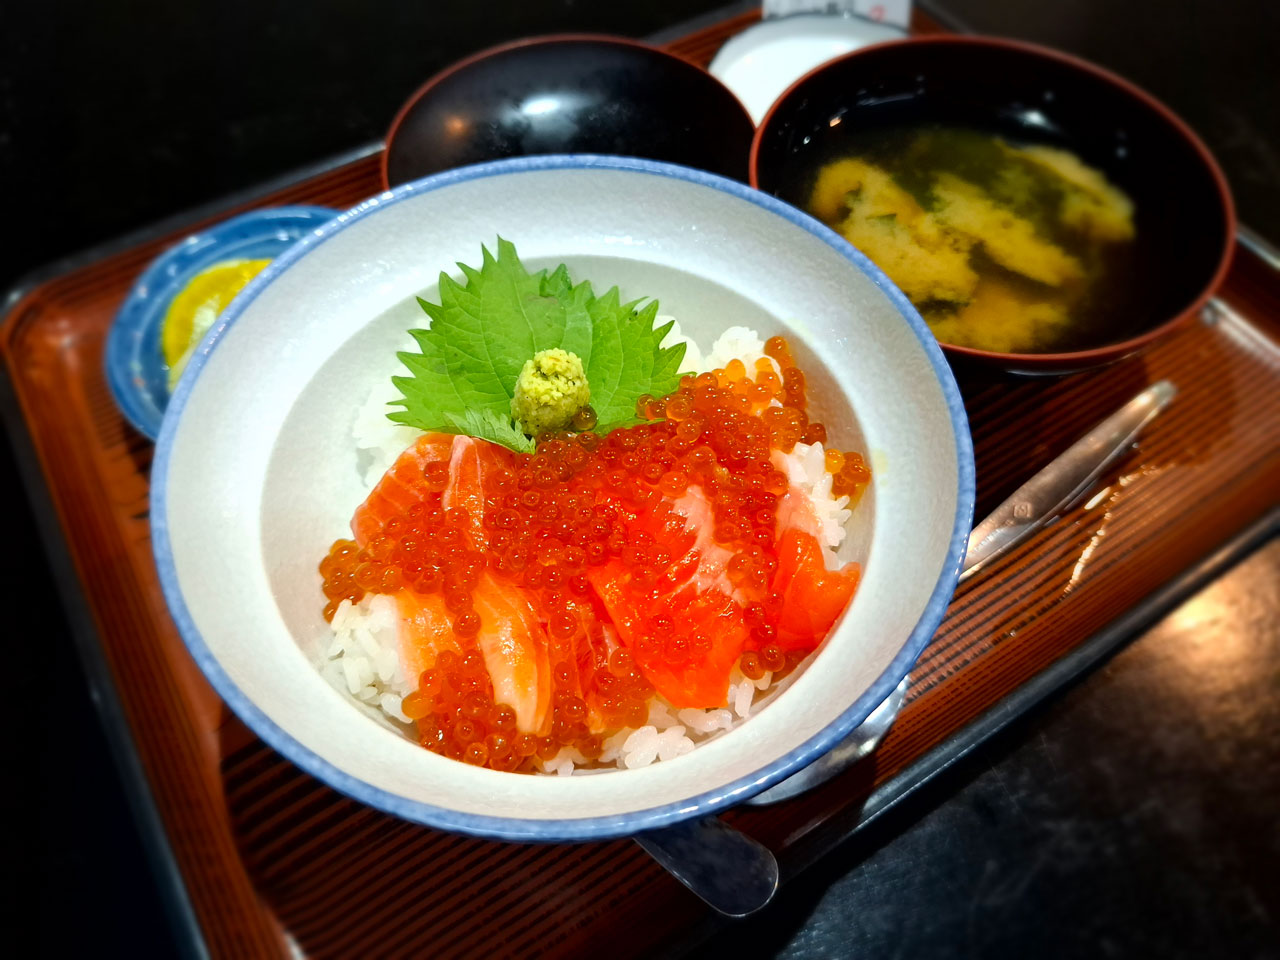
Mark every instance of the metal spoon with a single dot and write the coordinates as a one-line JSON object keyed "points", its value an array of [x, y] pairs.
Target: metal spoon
{"points": [[737, 875], [1055, 488]]}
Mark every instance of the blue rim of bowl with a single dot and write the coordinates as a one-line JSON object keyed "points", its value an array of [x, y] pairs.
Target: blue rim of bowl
{"points": [[131, 369], [581, 828]]}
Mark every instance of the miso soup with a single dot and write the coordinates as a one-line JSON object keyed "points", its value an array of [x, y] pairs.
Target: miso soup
{"points": [[1001, 246]]}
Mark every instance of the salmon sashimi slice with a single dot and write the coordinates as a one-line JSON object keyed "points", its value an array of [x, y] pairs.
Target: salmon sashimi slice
{"points": [[593, 645], [401, 486], [710, 625], [813, 597], [813, 594], [694, 599], [684, 528], [577, 658], [425, 631], [514, 644], [795, 512], [707, 560], [712, 621], [472, 467], [593, 657]]}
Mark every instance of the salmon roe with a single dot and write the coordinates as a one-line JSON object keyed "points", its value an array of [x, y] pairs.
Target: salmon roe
{"points": [[549, 518]]}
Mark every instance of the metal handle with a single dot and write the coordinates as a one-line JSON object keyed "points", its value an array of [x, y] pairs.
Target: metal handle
{"points": [[730, 871]]}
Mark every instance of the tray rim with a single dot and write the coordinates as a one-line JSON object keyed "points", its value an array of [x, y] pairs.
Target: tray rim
{"points": [[139, 796]]}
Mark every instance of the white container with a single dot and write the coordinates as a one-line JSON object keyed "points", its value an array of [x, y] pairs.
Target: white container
{"points": [[255, 473]]}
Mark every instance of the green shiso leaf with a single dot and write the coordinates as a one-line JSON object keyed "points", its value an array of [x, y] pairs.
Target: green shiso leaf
{"points": [[487, 425], [484, 329]]}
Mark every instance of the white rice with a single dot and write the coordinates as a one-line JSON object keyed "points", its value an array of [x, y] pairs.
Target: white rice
{"points": [[806, 468], [379, 441], [737, 343], [363, 658], [692, 352]]}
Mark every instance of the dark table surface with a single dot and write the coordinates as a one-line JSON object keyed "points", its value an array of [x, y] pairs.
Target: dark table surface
{"points": [[1134, 815]]}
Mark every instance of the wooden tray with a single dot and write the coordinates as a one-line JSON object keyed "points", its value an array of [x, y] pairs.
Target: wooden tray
{"points": [[264, 860]]}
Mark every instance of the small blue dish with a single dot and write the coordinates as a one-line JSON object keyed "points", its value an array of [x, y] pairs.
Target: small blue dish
{"points": [[136, 371]]}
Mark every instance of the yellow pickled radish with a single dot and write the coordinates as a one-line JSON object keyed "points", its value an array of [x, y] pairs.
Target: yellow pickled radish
{"points": [[197, 305]]}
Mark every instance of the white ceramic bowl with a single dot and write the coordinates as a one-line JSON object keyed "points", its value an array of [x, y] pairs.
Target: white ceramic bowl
{"points": [[761, 62], [255, 474]]}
